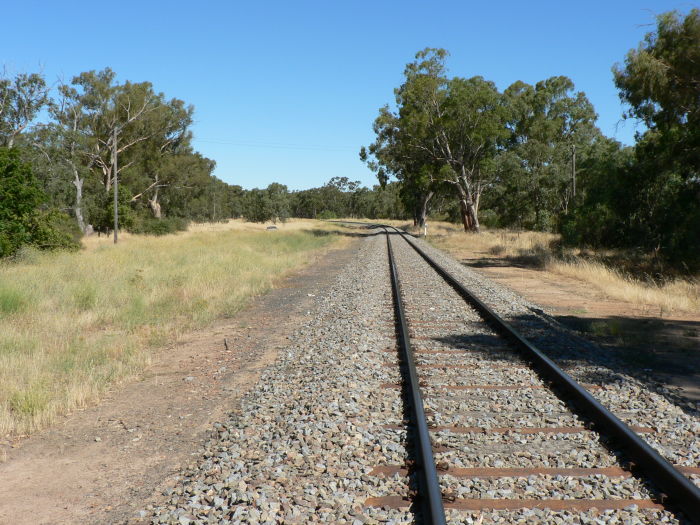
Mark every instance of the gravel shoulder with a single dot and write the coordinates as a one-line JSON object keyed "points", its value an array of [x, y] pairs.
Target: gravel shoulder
{"points": [[664, 346], [103, 464], [637, 398]]}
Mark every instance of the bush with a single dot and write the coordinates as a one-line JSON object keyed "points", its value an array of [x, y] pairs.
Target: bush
{"points": [[55, 230], [488, 218], [326, 214], [164, 226], [22, 222]]}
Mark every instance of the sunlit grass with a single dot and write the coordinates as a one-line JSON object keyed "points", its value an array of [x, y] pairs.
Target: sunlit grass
{"points": [[72, 324], [540, 250], [675, 295]]}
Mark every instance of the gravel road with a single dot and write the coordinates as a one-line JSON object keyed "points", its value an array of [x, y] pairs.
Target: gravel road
{"points": [[303, 446]]}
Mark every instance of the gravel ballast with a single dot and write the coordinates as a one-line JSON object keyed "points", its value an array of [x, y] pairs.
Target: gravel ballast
{"points": [[303, 445]]}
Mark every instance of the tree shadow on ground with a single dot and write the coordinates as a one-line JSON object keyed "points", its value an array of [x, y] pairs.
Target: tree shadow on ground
{"points": [[604, 350], [651, 349], [525, 261]]}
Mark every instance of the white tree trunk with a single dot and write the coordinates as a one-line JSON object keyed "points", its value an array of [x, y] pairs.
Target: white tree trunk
{"points": [[78, 208]]}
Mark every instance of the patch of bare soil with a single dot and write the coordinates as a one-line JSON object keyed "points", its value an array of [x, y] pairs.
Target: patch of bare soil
{"points": [[665, 344], [106, 463]]}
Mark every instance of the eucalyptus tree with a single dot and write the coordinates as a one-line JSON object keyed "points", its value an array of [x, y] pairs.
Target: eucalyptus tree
{"points": [[21, 100], [278, 201], [471, 132], [108, 114], [65, 144], [411, 169], [445, 129], [398, 150], [126, 127], [185, 187], [548, 125], [269, 204], [660, 83], [169, 136]]}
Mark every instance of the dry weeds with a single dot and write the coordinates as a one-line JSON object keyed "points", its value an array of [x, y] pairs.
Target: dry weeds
{"points": [[73, 324], [539, 250]]}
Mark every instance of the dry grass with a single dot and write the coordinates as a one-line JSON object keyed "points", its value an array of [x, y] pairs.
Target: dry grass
{"points": [[536, 249], [72, 324], [677, 295]]}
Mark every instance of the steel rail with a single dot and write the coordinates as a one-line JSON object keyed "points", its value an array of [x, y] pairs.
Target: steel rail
{"points": [[675, 486], [430, 495]]}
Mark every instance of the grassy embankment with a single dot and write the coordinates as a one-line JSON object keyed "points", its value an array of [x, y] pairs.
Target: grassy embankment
{"points": [[72, 324], [613, 273]]}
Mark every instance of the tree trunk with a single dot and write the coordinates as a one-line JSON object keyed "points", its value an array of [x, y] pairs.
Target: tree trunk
{"points": [[155, 205], [423, 212], [78, 208], [464, 214], [467, 204], [466, 210], [473, 217]]}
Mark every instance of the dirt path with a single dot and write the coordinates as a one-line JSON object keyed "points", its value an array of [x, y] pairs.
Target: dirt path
{"points": [[667, 344], [104, 464]]}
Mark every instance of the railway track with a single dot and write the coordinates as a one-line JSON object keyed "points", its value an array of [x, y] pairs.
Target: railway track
{"points": [[495, 425]]}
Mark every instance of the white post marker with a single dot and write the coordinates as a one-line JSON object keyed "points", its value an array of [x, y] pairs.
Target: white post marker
{"points": [[425, 229]]}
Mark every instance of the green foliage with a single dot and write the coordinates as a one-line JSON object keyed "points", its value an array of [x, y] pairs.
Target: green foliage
{"points": [[660, 77], [548, 122], [56, 230], [21, 99], [270, 204], [326, 214], [256, 206], [164, 226], [22, 222], [651, 200], [278, 202], [444, 136], [101, 210]]}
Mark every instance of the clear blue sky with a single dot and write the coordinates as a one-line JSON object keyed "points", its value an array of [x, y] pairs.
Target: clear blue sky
{"points": [[287, 91]]}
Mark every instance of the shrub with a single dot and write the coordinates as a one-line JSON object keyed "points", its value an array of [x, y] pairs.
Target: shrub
{"points": [[164, 226], [326, 214], [22, 222], [55, 230], [101, 211]]}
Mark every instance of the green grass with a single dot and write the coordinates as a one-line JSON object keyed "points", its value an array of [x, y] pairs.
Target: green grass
{"points": [[72, 324], [11, 300]]}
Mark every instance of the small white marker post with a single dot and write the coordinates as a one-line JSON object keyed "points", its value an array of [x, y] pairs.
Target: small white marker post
{"points": [[425, 229]]}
